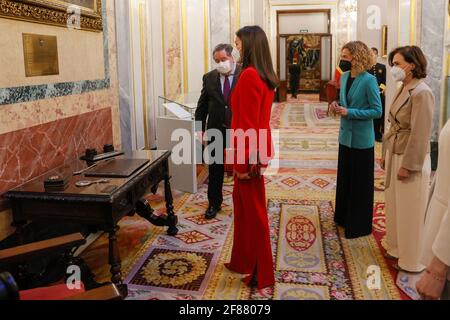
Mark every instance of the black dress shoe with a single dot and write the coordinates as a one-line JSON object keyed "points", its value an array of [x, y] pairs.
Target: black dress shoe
{"points": [[212, 212]]}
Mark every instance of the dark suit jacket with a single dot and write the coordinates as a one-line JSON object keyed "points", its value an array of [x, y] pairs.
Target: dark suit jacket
{"points": [[212, 105], [379, 71]]}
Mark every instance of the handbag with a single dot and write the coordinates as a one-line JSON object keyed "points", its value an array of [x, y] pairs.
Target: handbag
{"points": [[255, 170]]}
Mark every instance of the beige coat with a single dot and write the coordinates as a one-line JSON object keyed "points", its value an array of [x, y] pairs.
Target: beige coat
{"points": [[437, 228], [411, 118]]}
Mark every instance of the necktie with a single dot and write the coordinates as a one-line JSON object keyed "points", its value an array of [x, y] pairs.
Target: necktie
{"points": [[226, 89]]}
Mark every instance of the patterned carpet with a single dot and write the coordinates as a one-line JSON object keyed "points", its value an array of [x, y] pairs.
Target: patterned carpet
{"points": [[313, 259]]}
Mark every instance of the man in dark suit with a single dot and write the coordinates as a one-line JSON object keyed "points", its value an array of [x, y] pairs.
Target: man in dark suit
{"points": [[214, 112], [295, 70], [379, 71]]}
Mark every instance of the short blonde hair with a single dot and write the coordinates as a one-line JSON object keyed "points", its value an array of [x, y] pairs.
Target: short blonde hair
{"points": [[364, 58]]}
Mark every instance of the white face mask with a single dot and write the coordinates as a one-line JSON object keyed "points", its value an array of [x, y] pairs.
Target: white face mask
{"points": [[236, 55], [224, 67], [398, 74]]}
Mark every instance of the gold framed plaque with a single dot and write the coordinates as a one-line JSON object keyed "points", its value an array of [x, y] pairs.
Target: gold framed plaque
{"points": [[40, 55], [74, 14]]}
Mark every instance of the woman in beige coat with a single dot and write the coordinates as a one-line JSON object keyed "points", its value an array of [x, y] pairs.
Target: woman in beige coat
{"points": [[406, 157], [435, 282]]}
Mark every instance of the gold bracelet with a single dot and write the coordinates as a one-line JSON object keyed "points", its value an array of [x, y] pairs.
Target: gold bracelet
{"points": [[436, 276]]}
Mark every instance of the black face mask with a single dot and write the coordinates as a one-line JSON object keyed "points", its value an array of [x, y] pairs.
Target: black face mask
{"points": [[345, 65]]}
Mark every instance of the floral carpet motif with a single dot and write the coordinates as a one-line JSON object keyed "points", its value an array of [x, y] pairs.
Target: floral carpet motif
{"points": [[176, 271], [312, 258], [285, 291], [317, 116], [308, 249], [300, 244]]}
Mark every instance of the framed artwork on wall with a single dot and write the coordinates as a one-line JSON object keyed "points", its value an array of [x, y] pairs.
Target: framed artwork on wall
{"points": [[55, 12], [306, 50]]}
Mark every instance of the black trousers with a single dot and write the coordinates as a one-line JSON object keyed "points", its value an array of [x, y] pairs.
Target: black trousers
{"points": [[216, 177], [295, 84], [355, 191], [379, 123]]}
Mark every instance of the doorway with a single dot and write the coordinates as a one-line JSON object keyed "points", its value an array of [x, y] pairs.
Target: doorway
{"points": [[304, 57]]}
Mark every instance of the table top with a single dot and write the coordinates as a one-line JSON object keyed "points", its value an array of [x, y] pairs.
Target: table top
{"points": [[36, 186]]}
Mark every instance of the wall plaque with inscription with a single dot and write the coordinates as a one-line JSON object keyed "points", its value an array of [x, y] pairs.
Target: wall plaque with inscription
{"points": [[41, 55]]}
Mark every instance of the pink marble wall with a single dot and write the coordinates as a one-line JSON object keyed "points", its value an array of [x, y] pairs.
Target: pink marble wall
{"points": [[31, 152]]}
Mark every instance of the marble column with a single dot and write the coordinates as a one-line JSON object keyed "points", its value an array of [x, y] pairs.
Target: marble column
{"points": [[220, 31], [235, 18], [172, 46], [124, 73], [432, 42], [447, 114]]}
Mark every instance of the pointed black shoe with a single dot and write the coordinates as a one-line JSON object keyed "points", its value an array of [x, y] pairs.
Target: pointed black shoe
{"points": [[212, 212]]}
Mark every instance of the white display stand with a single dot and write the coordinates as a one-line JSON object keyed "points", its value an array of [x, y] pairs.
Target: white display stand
{"points": [[179, 113]]}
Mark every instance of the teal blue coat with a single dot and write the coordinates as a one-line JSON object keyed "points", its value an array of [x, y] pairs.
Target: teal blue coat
{"points": [[364, 105]]}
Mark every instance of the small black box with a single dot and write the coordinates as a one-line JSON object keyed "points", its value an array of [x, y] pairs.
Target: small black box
{"points": [[56, 183]]}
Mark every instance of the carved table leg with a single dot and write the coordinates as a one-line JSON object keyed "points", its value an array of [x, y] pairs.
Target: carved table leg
{"points": [[144, 210], [114, 257], [172, 219]]}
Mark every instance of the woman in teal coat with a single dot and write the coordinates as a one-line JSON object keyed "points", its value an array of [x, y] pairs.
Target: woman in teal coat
{"points": [[359, 105]]}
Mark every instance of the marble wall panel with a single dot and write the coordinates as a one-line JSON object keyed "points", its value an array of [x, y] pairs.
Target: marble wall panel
{"points": [[28, 153], [432, 42], [220, 22], [172, 46]]}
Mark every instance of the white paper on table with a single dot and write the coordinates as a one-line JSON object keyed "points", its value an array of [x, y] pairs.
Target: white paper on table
{"points": [[177, 111]]}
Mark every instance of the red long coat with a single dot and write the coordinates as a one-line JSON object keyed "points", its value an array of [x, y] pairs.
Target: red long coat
{"points": [[251, 103]]}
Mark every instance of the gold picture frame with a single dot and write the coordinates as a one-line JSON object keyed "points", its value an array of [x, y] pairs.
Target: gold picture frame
{"points": [[54, 12], [384, 41]]}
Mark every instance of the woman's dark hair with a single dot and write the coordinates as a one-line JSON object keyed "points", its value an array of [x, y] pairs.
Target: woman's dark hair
{"points": [[414, 55], [256, 53]]}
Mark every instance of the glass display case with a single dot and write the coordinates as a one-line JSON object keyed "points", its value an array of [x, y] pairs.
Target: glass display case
{"points": [[176, 131], [181, 106]]}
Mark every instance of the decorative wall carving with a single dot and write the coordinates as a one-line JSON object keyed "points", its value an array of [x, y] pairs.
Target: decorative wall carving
{"points": [[54, 12]]}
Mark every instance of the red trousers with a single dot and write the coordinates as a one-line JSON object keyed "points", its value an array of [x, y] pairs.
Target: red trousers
{"points": [[252, 253]]}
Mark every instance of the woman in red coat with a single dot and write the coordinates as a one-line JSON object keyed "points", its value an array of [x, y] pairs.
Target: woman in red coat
{"points": [[251, 103]]}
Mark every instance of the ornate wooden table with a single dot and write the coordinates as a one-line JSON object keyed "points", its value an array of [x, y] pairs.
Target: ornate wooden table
{"points": [[99, 205]]}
